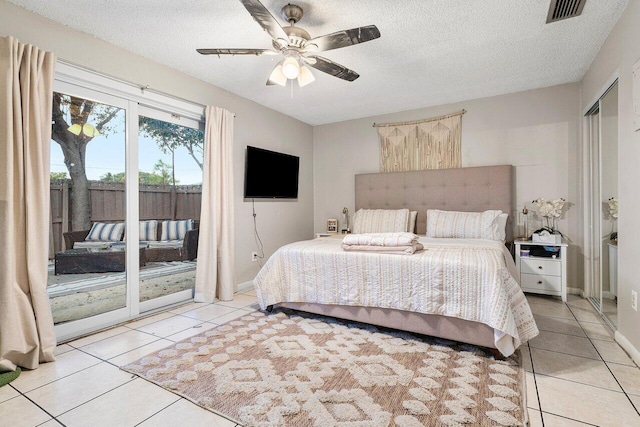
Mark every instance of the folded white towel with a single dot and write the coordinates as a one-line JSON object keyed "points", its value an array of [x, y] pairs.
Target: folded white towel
{"points": [[381, 239], [400, 250]]}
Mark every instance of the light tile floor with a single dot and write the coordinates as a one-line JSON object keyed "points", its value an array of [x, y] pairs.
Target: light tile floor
{"points": [[576, 373]]}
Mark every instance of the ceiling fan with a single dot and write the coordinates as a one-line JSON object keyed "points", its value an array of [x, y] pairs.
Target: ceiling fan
{"points": [[296, 44]]}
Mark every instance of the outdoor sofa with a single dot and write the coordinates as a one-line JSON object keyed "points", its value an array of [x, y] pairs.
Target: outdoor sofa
{"points": [[158, 247]]}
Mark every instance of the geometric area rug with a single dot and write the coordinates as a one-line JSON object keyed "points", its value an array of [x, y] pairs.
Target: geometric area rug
{"points": [[289, 368]]}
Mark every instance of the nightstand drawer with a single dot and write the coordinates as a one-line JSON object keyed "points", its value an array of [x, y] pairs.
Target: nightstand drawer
{"points": [[541, 282], [541, 266]]}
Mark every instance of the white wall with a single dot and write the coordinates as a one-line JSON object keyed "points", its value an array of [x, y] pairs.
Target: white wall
{"points": [[537, 131], [279, 222], [618, 54]]}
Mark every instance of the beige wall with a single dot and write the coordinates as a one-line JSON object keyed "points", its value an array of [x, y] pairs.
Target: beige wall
{"points": [[279, 222], [536, 131], [618, 54]]}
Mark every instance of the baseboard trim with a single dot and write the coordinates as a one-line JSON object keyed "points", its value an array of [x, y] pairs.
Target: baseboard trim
{"points": [[628, 347], [245, 287], [608, 295]]}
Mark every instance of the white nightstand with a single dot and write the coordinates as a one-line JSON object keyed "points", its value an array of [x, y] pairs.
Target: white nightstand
{"points": [[330, 236], [543, 275]]}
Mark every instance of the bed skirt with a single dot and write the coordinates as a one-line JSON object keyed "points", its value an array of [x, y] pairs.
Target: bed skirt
{"points": [[435, 325]]}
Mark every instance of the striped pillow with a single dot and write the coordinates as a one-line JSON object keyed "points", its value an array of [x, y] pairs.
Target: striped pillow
{"points": [[175, 230], [463, 225], [380, 221], [148, 230], [101, 231]]}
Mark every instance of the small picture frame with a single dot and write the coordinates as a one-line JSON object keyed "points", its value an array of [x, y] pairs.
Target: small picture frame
{"points": [[332, 225]]}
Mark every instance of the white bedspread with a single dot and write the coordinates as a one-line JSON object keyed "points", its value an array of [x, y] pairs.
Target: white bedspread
{"points": [[471, 279]]}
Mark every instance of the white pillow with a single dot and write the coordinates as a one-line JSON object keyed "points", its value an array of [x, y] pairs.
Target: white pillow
{"points": [[103, 232], [502, 226], [176, 230], [411, 228], [380, 221], [463, 225]]}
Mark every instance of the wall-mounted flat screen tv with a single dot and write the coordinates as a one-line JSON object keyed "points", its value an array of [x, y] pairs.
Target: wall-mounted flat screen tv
{"points": [[270, 175]]}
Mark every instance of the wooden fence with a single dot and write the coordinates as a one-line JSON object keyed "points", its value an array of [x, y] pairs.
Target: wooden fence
{"points": [[108, 204]]}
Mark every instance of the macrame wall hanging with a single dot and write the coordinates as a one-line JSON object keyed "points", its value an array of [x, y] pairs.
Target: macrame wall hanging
{"points": [[423, 144]]}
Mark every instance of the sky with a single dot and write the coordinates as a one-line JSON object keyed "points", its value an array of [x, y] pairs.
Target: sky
{"points": [[107, 154]]}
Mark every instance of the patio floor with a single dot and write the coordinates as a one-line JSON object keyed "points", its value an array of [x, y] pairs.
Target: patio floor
{"points": [[77, 296]]}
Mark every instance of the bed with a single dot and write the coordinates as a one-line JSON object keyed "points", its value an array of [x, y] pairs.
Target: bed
{"points": [[317, 276]]}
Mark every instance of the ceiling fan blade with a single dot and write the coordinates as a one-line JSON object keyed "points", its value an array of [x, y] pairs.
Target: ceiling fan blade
{"points": [[332, 68], [219, 52], [266, 21], [344, 38]]}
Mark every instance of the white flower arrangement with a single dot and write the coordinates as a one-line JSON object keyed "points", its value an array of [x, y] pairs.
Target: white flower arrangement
{"points": [[550, 209], [613, 207]]}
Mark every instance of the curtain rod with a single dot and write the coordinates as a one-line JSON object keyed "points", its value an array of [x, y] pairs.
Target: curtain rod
{"points": [[415, 122]]}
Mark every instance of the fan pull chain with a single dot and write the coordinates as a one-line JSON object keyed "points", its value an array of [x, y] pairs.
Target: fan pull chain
{"points": [[291, 88]]}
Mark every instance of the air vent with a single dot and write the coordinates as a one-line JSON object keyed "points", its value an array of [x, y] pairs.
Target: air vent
{"points": [[564, 9]]}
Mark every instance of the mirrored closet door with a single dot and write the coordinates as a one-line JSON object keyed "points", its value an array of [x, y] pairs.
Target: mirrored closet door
{"points": [[602, 204]]}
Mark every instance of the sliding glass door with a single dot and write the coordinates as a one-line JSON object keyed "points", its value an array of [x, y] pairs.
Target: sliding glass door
{"points": [[126, 186], [170, 192], [87, 281]]}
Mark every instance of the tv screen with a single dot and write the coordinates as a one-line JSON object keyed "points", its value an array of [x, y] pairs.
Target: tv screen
{"points": [[270, 175]]}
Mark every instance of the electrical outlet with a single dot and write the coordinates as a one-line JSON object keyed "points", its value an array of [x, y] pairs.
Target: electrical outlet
{"points": [[254, 256], [634, 300]]}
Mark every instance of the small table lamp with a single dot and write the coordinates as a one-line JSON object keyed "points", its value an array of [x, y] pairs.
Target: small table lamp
{"points": [[345, 221]]}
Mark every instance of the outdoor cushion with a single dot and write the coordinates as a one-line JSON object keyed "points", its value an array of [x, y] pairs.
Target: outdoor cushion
{"points": [[91, 244], [148, 230], [104, 232], [176, 230], [166, 244]]}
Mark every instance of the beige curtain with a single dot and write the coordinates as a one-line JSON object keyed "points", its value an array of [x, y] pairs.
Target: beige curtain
{"points": [[425, 144], [215, 274], [26, 324]]}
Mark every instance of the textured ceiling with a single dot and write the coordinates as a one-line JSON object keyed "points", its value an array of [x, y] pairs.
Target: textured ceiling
{"points": [[431, 52]]}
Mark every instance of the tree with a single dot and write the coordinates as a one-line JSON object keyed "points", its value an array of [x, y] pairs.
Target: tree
{"points": [[165, 172], [70, 117], [112, 177], [161, 175], [53, 176], [169, 137]]}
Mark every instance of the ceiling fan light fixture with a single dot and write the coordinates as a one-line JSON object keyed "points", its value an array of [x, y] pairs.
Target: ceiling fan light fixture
{"points": [[291, 67], [310, 47], [86, 129], [277, 76], [75, 128], [90, 131], [305, 77]]}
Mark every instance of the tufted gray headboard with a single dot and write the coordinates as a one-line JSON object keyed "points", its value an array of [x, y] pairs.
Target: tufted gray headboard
{"points": [[474, 189]]}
